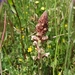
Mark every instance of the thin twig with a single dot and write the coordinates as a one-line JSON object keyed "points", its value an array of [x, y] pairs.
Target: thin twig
{"points": [[63, 34], [2, 38]]}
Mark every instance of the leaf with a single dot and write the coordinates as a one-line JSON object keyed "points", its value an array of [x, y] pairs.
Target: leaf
{"points": [[10, 2], [13, 10]]}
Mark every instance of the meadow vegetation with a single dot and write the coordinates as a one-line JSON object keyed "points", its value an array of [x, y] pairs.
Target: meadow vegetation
{"points": [[19, 56]]}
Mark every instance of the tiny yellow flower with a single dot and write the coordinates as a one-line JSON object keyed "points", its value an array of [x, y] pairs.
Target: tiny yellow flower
{"points": [[42, 8], [22, 29], [21, 60], [26, 12], [48, 46], [66, 25], [36, 2], [22, 36], [63, 40], [30, 49], [59, 73]]}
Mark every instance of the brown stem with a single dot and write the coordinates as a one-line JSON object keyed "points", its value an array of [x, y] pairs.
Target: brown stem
{"points": [[4, 30], [2, 39]]}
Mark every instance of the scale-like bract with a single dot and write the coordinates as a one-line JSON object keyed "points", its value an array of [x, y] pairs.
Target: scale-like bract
{"points": [[42, 26]]}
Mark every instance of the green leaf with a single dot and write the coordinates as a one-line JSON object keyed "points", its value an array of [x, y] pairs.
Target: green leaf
{"points": [[13, 10], [10, 2]]}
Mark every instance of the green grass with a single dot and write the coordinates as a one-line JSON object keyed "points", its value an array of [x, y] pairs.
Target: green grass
{"points": [[22, 17]]}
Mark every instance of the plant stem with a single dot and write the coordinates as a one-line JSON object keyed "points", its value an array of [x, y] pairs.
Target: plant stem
{"points": [[68, 52], [0, 63], [55, 58], [40, 66]]}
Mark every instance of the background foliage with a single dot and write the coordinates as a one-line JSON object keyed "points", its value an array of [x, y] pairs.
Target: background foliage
{"points": [[18, 50]]}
